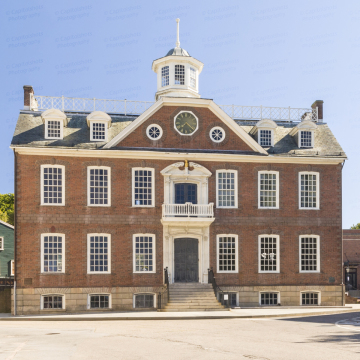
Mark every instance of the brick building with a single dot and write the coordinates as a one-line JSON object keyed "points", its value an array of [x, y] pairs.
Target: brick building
{"points": [[351, 249], [109, 193]]}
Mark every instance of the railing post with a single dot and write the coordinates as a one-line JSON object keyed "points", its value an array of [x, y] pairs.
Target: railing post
{"points": [[260, 112], [232, 110], [159, 301], [289, 113], [317, 114], [125, 107], [52, 102], [94, 105]]}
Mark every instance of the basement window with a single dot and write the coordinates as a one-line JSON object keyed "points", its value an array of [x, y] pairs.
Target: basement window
{"points": [[310, 298], [144, 301], [269, 298], [232, 299], [99, 301], [52, 302]]}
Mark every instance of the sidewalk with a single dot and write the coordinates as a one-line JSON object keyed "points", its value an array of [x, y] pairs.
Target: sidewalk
{"points": [[244, 313]]}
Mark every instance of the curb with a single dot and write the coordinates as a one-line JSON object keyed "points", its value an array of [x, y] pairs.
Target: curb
{"points": [[205, 317]]}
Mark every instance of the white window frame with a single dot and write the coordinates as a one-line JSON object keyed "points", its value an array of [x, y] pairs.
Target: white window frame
{"points": [[154, 254], [42, 302], [277, 254], [312, 139], [270, 291], [92, 132], [63, 253], [197, 123], [100, 294], [159, 128], [12, 268], [109, 185], [317, 253], [193, 77], [277, 189], [184, 74], [165, 77], [47, 130], [311, 291], [42, 184], [317, 190], [236, 254], [152, 187], [145, 293], [271, 140], [88, 254], [235, 192], [217, 128], [1, 243]]}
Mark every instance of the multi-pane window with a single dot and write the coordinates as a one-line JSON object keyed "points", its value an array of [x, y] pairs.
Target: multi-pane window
{"points": [[268, 189], [1, 243], [52, 246], [53, 129], [99, 301], [268, 253], [179, 74], [193, 78], [309, 298], [309, 253], [232, 301], [265, 137], [12, 268], [227, 253], [52, 185], [309, 190], [99, 255], [165, 76], [226, 183], [52, 301], [98, 186], [305, 138], [98, 131], [143, 187], [144, 301], [269, 298], [144, 253]]}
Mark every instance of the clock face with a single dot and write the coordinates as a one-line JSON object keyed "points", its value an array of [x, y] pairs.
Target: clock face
{"points": [[186, 123]]}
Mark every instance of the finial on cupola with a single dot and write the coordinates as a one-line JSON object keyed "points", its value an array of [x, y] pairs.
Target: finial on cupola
{"points": [[177, 35]]}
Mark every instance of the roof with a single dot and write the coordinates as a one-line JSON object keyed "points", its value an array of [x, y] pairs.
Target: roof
{"points": [[29, 132], [6, 224], [177, 51]]}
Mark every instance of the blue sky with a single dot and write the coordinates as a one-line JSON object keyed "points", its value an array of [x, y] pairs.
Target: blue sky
{"points": [[271, 53]]}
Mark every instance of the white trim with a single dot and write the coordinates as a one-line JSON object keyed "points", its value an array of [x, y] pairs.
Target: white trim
{"points": [[277, 189], [2, 243], [217, 128], [47, 137], [312, 139], [88, 306], [62, 254], [42, 184], [176, 156], [269, 291], [152, 186], [317, 174], [42, 302], [317, 254], [311, 291], [91, 123], [6, 224], [153, 236], [12, 267], [236, 254], [271, 134], [88, 253], [236, 188], [197, 122], [277, 254], [108, 168], [145, 293], [169, 101], [157, 126]]}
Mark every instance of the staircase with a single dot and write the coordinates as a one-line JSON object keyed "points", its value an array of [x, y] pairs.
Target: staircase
{"points": [[192, 297]]}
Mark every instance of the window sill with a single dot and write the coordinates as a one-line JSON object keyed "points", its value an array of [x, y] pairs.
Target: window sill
{"points": [[96, 206], [53, 273], [144, 272], [309, 209], [99, 273], [268, 208], [52, 204], [53, 310]]}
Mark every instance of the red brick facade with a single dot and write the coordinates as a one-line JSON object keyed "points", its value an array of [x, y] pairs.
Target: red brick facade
{"points": [[351, 251]]}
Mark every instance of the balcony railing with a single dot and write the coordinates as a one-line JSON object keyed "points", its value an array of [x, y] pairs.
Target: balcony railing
{"points": [[129, 107], [188, 210]]}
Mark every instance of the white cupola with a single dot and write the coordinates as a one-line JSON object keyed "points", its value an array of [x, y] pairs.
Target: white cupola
{"points": [[177, 73]]}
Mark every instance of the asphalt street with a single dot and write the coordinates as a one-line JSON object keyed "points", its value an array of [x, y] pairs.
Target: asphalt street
{"points": [[329, 337]]}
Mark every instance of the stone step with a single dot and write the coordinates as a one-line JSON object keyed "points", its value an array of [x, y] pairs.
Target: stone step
{"points": [[186, 310], [189, 291], [193, 298], [191, 301]]}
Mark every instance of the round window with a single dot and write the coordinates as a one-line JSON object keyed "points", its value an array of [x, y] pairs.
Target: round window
{"points": [[154, 132], [217, 134]]}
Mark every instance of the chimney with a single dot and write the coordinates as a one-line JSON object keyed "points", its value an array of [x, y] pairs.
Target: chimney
{"points": [[28, 89], [319, 104]]}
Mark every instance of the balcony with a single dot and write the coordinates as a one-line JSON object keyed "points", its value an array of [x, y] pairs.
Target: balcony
{"points": [[188, 214]]}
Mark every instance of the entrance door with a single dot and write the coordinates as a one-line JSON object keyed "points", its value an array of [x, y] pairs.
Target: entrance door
{"points": [[185, 193], [186, 260], [351, 279]]}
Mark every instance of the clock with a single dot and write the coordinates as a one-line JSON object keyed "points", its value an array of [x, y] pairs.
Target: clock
{"points": [[186, 123]]}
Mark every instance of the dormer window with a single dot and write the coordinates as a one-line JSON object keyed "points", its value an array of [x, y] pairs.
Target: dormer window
{"points": [[303, 134], [193, 78], [263, 132], [179, 75], [306, 140], [99, 123], [54, 121], [165, 76]]}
